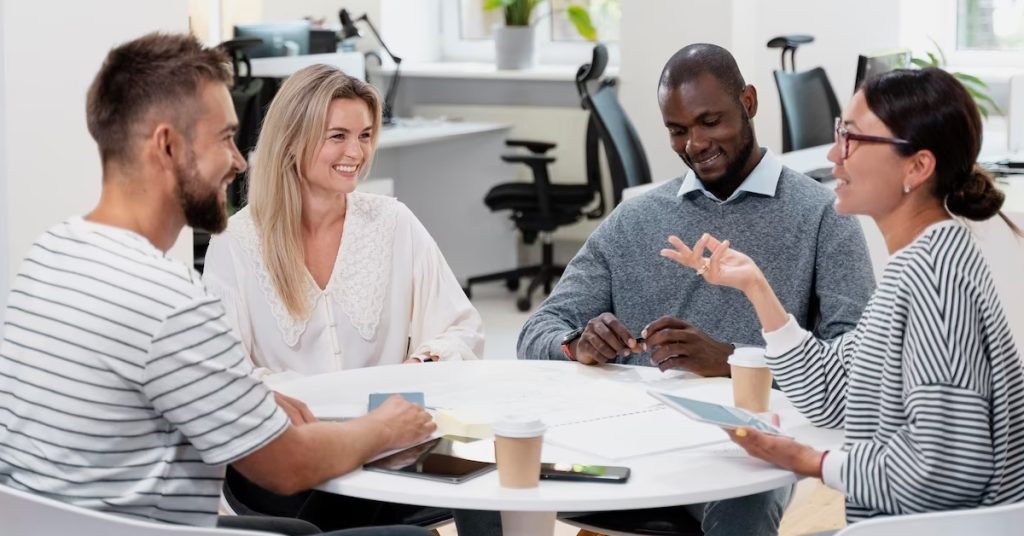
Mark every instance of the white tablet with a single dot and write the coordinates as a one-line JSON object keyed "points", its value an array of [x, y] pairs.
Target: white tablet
{"points": [[716, 414]]}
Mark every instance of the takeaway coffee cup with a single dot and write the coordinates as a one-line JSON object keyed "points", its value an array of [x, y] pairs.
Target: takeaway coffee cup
{"points": [[751, 379], [517, 445]]}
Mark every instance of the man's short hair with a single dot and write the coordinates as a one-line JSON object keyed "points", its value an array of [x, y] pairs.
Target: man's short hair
{"points": [[156, 71], [693, 61]]}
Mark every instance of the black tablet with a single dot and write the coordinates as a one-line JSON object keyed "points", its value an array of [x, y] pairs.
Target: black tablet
{"points": [[433, 460]]}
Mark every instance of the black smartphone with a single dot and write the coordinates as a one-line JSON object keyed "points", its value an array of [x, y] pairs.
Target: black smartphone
{"points": [[584, 473]]}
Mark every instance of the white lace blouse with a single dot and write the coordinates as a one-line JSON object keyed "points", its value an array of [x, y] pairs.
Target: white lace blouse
{"points": [[391, 296]]}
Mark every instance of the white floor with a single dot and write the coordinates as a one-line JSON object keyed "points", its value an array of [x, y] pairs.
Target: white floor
{"points": [[502, 320]]}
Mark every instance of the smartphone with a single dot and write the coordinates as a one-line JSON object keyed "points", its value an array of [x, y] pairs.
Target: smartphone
{"points": [[584, 473], [722, 416]]}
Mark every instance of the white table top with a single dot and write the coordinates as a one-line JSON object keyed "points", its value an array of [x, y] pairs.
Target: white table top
{"points": [[666, 479], [417, 131]]}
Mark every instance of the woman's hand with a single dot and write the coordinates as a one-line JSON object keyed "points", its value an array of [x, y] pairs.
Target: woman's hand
{"points": [[781, 451], [725, 266], [421, 359]]}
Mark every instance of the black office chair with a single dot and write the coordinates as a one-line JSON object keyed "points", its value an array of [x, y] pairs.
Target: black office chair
{"points": [[243, 498], [247, 95], [539, 207], [809, 104]]}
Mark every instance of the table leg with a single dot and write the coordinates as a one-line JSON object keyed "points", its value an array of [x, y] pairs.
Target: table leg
{"points": [[528, 523]]}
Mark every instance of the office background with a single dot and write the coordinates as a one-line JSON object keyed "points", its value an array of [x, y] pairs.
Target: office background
{"points": [[49, 168]]}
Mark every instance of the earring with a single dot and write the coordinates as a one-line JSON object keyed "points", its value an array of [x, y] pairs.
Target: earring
{"points": [[906, 189]]}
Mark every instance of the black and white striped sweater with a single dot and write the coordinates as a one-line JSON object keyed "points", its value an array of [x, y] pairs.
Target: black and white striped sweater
{"points": [[929, 385]]}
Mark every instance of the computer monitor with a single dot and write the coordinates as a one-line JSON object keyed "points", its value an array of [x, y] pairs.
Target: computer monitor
{"points": [[323, 41], [878, 63], [279, 38]]}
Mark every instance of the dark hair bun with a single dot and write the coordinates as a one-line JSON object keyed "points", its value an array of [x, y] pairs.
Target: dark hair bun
{"points": [[977, 198]]}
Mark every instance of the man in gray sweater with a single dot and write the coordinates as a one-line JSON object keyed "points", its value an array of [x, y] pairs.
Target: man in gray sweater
{"points": [[618, 288]]}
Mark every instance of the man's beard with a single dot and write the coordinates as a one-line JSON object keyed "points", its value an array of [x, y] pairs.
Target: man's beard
{"points": [[736, 166], [202, 206]]}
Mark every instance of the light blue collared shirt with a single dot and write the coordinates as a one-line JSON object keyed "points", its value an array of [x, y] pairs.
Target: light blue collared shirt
{"points": [[762, 180]]}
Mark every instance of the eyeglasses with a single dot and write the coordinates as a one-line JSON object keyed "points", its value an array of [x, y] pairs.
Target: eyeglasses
{"points": [[843, 137]]}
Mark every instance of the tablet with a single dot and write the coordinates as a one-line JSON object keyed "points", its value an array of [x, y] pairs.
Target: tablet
{"points": [[716, 414], [433, 460]]}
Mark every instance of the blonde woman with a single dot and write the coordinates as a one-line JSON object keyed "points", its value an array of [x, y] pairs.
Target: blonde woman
{"points": [[318, 277]]}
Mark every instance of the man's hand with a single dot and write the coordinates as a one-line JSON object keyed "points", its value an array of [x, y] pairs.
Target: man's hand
{"points": [[781, 451], [603, 339], [296, 409], [675, 344], [401, 422]]}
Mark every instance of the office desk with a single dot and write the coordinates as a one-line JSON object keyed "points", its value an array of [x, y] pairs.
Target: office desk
{"points": [[1004, 252], [661, 479], [441, 171]]}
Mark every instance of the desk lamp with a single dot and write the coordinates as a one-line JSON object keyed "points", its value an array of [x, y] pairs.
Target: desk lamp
{"points": [[348, 31]]}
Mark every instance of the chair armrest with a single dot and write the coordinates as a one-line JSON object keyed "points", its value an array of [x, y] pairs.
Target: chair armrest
{"points": [[537, 147], [539, 166], [527, 159]]}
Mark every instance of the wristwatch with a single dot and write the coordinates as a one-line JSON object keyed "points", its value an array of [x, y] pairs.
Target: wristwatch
{"points": [[567, 340]]}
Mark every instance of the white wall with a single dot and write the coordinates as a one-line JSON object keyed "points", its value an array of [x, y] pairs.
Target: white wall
{"points": [[412, 28], [4, 204], [277, 10], [49, 165]]}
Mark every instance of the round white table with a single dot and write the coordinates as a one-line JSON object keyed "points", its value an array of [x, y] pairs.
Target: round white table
{"points": [[665, 478]]}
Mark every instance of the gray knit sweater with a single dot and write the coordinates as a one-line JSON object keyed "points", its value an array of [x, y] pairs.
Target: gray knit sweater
{"points": [[816, 260]]}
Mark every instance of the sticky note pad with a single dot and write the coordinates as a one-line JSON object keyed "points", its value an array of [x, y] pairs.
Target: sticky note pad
{"points": [[377, 399], [462, 423]]}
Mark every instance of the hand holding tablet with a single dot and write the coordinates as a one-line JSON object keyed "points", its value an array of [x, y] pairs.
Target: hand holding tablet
{"points": [[726, 417]]}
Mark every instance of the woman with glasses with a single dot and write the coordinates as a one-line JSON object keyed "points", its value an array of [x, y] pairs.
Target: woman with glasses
{"points": [[929, 386]]}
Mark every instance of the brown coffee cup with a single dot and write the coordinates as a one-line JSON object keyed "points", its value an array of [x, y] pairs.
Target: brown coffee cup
{"points": [[751, 379], [517, 449]]}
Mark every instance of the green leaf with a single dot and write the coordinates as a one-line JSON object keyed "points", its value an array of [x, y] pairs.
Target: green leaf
{"points": [[921, 63], [581, 20], [963, 77], [982, 100], [495, 4], [934, 61]]}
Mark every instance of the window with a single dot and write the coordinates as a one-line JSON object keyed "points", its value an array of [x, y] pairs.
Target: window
{"points": [[468, 30], [990, 25], [605, 14]]}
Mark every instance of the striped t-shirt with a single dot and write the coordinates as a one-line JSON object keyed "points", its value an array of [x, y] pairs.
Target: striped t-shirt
{"points": [[122, 388], [929, 386]]}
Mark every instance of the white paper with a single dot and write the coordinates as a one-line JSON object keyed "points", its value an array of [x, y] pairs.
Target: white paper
{"points": [[636, 434]]}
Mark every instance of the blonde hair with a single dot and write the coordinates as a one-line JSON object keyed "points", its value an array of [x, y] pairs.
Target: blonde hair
{"points": [[292, 133]]}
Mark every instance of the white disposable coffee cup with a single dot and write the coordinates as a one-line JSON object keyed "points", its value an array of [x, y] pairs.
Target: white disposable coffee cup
{"points": [[751, 379], [517, 445]]}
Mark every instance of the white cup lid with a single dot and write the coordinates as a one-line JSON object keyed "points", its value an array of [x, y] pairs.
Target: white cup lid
{"points": [[518, 426], [748, 356]]}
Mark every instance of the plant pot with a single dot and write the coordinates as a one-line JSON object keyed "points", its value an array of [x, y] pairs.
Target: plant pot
{"points": [[513, 47]]}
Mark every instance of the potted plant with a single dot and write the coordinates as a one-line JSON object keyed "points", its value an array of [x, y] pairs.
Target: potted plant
{"points": [[974, 85], [514, 41]]}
